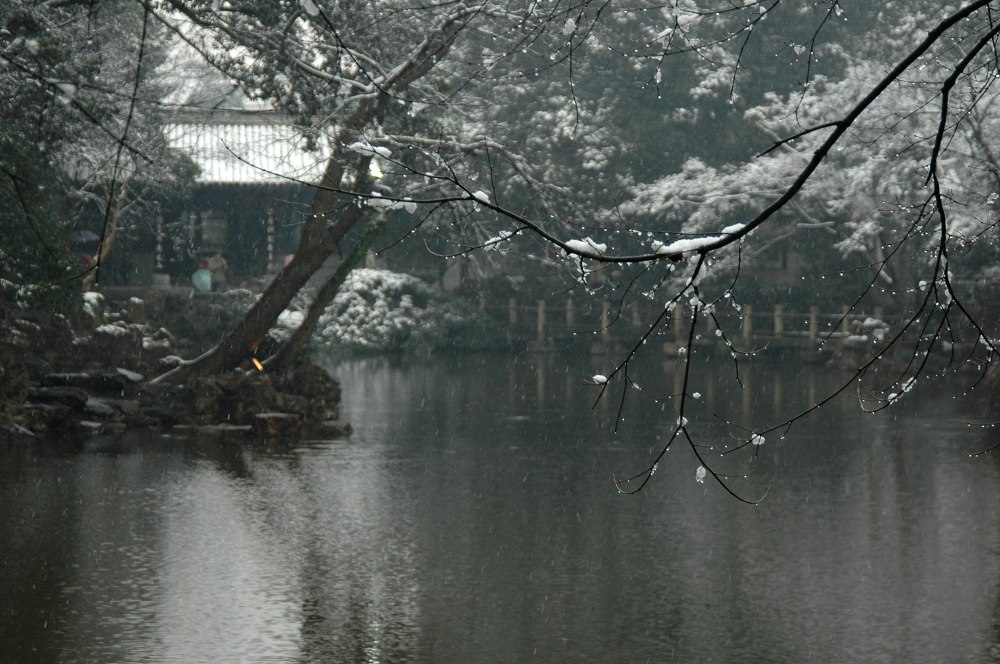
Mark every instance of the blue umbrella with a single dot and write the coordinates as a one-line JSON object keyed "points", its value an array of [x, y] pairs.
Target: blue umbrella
{"points": [[202, 280]]}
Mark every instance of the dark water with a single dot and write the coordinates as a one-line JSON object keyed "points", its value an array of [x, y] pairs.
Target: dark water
{"points": [[471, 518]]}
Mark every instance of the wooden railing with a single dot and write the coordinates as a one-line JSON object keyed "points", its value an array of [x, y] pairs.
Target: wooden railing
{"points": [[544, 324]]}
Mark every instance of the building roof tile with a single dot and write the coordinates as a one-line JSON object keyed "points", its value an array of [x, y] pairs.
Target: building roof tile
{"points": [[247, 148]]}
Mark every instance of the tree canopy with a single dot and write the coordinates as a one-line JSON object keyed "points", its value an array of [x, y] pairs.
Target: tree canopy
{"points": [[85, 152]]}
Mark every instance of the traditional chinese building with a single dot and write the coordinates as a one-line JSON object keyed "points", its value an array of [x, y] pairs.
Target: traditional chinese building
{"points": [[255, 169]]}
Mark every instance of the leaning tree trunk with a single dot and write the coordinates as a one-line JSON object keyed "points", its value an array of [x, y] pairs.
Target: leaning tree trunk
{"points": [[238, 346], [316, 245], [290, 351]]}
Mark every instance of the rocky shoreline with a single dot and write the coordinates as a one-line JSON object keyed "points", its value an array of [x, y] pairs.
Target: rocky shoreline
{"points": [[60, 382]]}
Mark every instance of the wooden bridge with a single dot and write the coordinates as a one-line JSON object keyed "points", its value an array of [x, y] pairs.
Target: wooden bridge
{"points": [[544, 325]]}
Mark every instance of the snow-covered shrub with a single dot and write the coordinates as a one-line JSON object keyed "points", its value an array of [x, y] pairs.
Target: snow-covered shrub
{"points": [[378, 310]]}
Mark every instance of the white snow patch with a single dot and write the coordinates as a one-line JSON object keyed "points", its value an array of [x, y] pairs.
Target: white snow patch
{"points": [[111, 330], [493, 244], [587, 246], [664, 35], [155, 344], [131, 375], [290, 319], [364, 147], [67, 91], [376, 200], [685, 244], [93, 303]]}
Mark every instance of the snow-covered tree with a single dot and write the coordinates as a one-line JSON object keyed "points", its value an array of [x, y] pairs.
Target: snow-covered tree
{"points": [[35, 73], [81, 130], [886, 157]]}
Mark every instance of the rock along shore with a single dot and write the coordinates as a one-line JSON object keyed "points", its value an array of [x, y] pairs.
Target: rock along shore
{"points": [[60, 382]]}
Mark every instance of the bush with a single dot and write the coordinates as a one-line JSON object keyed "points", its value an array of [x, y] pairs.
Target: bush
{"points": [[382, 311]]}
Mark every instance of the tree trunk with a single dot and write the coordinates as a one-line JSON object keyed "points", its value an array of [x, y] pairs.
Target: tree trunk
{"points": [[289, 352], [238, 345], [109, 235]]}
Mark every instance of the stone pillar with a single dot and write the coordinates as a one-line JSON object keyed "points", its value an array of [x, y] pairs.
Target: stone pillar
{"points": [[270, 239]]}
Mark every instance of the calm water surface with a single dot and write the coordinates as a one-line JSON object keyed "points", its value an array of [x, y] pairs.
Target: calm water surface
{"points": [[471, 518]]}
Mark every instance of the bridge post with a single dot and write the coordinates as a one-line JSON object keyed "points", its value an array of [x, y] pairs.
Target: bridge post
{"points": [[540, 323], [747, 312]]}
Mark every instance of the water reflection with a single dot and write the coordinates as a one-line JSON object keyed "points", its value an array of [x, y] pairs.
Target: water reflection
{"points": [[471, 518], [225, 585]]}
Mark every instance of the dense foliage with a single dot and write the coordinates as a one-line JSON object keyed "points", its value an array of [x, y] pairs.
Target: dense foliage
{"points": [[383, 311], [85, 161]]}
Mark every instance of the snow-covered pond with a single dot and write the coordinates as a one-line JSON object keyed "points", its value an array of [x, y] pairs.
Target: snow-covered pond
{"points": [[471, 517]]}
